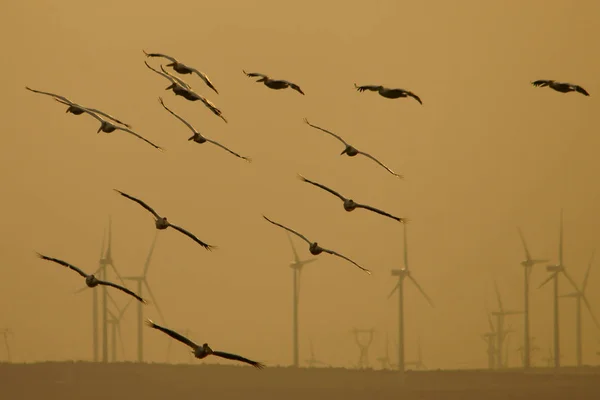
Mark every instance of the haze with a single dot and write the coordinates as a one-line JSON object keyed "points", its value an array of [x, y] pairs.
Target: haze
{"points": [[486, 152]]}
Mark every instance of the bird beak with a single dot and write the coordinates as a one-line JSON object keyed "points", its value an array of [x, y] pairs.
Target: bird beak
{"points": [[191, 138], [343, 152], [170, 65], [170, 87], [99, 129]]}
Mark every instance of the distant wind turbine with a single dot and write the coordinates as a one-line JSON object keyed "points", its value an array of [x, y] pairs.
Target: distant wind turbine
{"points": [[6, 332], [500, 315]]}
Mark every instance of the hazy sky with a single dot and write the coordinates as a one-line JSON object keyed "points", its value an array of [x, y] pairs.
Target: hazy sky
{"points": [[487, 152]]}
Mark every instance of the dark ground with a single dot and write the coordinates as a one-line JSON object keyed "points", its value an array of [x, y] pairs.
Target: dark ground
{"points": [[84, 380]]}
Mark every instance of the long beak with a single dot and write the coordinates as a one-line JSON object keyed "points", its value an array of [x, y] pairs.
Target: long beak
{"points": [[191, 138], [99, 129], [170, 65], [170, 87], [343, 152]]}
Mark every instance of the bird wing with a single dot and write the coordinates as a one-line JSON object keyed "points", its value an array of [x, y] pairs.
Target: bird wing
{"points": [[225, 148], [380, 163], [170, 78], [171, 333], [289, 230], [253, 74], [176, 115], [141, 203], [326, 131], [124, 289], [414, 96], [178, 79], [51, 94], [333, 192], [109, 116], [160, 55], [345, 258], [88, 111], [373, 88], [204, 77], [64, 264], [190, 235], [294, 86], [230, 356], [581, 90], [541, 82], [366, 207], [140, 137], [211, 106]]}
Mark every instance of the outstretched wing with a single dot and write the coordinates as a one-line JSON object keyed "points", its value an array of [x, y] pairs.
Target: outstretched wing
{"points": [[225, 148], [141, 203], [124, 289], [345, 258], [235, 357], [581, 90], [289, 230], [178, 79], [326, 131], [204, 77], [373, 88], [63, 263], [140, 137], [191, 236], [295, 87], [170, 78], [50, 94], [160, 55], [414, 96], [541, 82], [380, 163], [211, 107], [109, 116], [253, 74], [366, 207], [176, 115], [333, 192], [171, 333]]}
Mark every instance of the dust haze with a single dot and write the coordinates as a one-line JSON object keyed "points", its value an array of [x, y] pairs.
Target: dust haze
{"points": [[485, 153]]}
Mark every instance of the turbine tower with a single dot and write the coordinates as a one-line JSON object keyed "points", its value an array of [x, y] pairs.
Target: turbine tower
{"points": [[363, 360], [521, 350], [500, 315], [385, 358], [141, 283], [555, 270], [402, 274], [579, 296], [527, 265], [296, 266], [312, 361], [6, 332], [114, 322]]}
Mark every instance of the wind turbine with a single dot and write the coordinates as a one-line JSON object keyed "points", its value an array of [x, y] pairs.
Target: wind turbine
{"points": [[385, 358], [418, 364], [141, 282], [527, 265], [500, 315], [312, 361], [490, 339], [521, 350], [296, 266], [115, 324], [579, 296], [5, 333], [557, 269], [402, 274]]}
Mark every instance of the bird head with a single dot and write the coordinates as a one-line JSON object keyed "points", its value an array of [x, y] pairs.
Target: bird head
{"points": [[207, 348]]}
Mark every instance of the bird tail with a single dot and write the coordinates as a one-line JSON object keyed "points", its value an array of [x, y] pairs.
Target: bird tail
{"points": [[150, 323]]}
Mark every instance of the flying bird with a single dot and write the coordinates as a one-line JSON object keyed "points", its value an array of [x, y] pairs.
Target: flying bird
{"points": [[351, 151], [562, 87], [183, 69], [91, 280], [349, 204], [77, 109], [162, 223], [273, 83], [314, 247], [203, 351], [389, 93], [197, 136], [108, 127]]}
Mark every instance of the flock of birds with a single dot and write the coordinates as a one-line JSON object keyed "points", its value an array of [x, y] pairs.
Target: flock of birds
{"points": [[109, 124]]}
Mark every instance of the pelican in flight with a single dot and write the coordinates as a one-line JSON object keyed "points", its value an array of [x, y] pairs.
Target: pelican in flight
{"points": [[91, 280], [273, 83], [314, 247], [77, 109], [162, 223], [197, 136], [562, 87], [108, 127], [389, 93], [349, 204], [183, 69], [203, 351], [351, 151]]}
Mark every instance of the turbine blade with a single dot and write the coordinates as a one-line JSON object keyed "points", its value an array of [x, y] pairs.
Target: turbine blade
{"points": [[308, 261], [566, 274], [492, 329], [560, 242], [393, 290], [498, 296], [80, 290], [121, 339], [589, 307], [539, 261], [147, 265], [296, 258], [124, 309], [548, 279], [587, 273], [527, 255], [421, 290], [405, 248], [114, 303], [162, 318]]}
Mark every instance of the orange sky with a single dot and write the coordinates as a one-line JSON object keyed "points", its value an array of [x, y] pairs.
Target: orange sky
{"points": [[486, 153]]}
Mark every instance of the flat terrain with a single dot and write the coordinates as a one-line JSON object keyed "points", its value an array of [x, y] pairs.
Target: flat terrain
{"points": [[84, 380]]}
